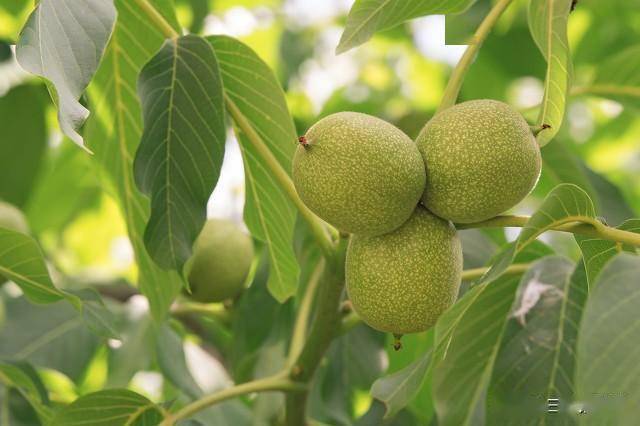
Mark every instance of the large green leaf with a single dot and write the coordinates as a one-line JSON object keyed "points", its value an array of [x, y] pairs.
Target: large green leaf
{"points": [[114, 130], [179, 158], [113, 407], [171, 360], [252, 88], [367, 17], [608, 378], [468, 337], [548, 23], [51, 336], [22, 262], [536, 360], [618, 77], [23, 142], [63, 41], [597, 252]]}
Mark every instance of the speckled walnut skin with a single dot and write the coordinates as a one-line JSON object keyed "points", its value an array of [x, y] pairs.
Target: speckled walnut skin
{"points": [[481, 159], [359, 173], [403, 281]]}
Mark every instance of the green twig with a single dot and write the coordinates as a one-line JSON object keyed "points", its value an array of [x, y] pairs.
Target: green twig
{"points": [[214, 311], [304, 312], [516, 268], [601, 231], [279, 382], [457, 76]]}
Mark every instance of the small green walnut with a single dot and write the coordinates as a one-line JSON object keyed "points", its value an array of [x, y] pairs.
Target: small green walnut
{"points": [[403, 281], [481, 159], [359, 173], [221, 261]]}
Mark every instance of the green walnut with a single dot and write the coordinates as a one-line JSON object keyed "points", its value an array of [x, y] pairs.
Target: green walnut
{"points": [[359, 173], [481, 159], [403, 281], [12, 218], [222, 256]]}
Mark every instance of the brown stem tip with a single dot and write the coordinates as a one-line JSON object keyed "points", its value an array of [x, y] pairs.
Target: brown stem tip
{"points": [[302, 140], [397, 343]]}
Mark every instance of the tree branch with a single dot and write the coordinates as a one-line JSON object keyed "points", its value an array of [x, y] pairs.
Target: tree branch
{"points": [[602, 232], [304, 311], [457, 76], [279, 382], [326, 325]]}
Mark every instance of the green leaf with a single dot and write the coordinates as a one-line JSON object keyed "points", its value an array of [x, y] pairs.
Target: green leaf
{"points": [[611, 201], [566, 203], [536, 360], [597, 252], [560, 165], [113, 407], [398, 389], [51, 336], [618, 77], [23, 378], [67, 186], [179, 158], [134, 354], [251, 86], [172, 362], [367, 17], [23, 142], [63, 41], [468, 337], [114, 130], [607, 378], [22, 262], [548, 24]]}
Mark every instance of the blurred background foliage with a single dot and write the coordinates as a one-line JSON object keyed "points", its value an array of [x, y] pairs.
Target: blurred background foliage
{"points": [[399, 76]]}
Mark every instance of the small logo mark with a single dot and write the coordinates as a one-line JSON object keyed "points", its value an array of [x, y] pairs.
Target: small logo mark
{"points": [[552, 405]]}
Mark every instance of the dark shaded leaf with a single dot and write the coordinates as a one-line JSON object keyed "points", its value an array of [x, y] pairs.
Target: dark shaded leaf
{"points": [[179, 158], [23, 141]]}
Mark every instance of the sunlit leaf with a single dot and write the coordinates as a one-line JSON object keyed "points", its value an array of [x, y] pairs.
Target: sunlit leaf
{"points": [[113, 407], [367, 17], [22, 262], [179, 158], [597, 252], [63, 41], [607, 379], [114, 130], [548, 23], [251, 86], [23, 141], [537, 355]]}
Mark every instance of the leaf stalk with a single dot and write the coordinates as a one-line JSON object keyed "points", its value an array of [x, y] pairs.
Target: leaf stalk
{"points": [[457, 76]]}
